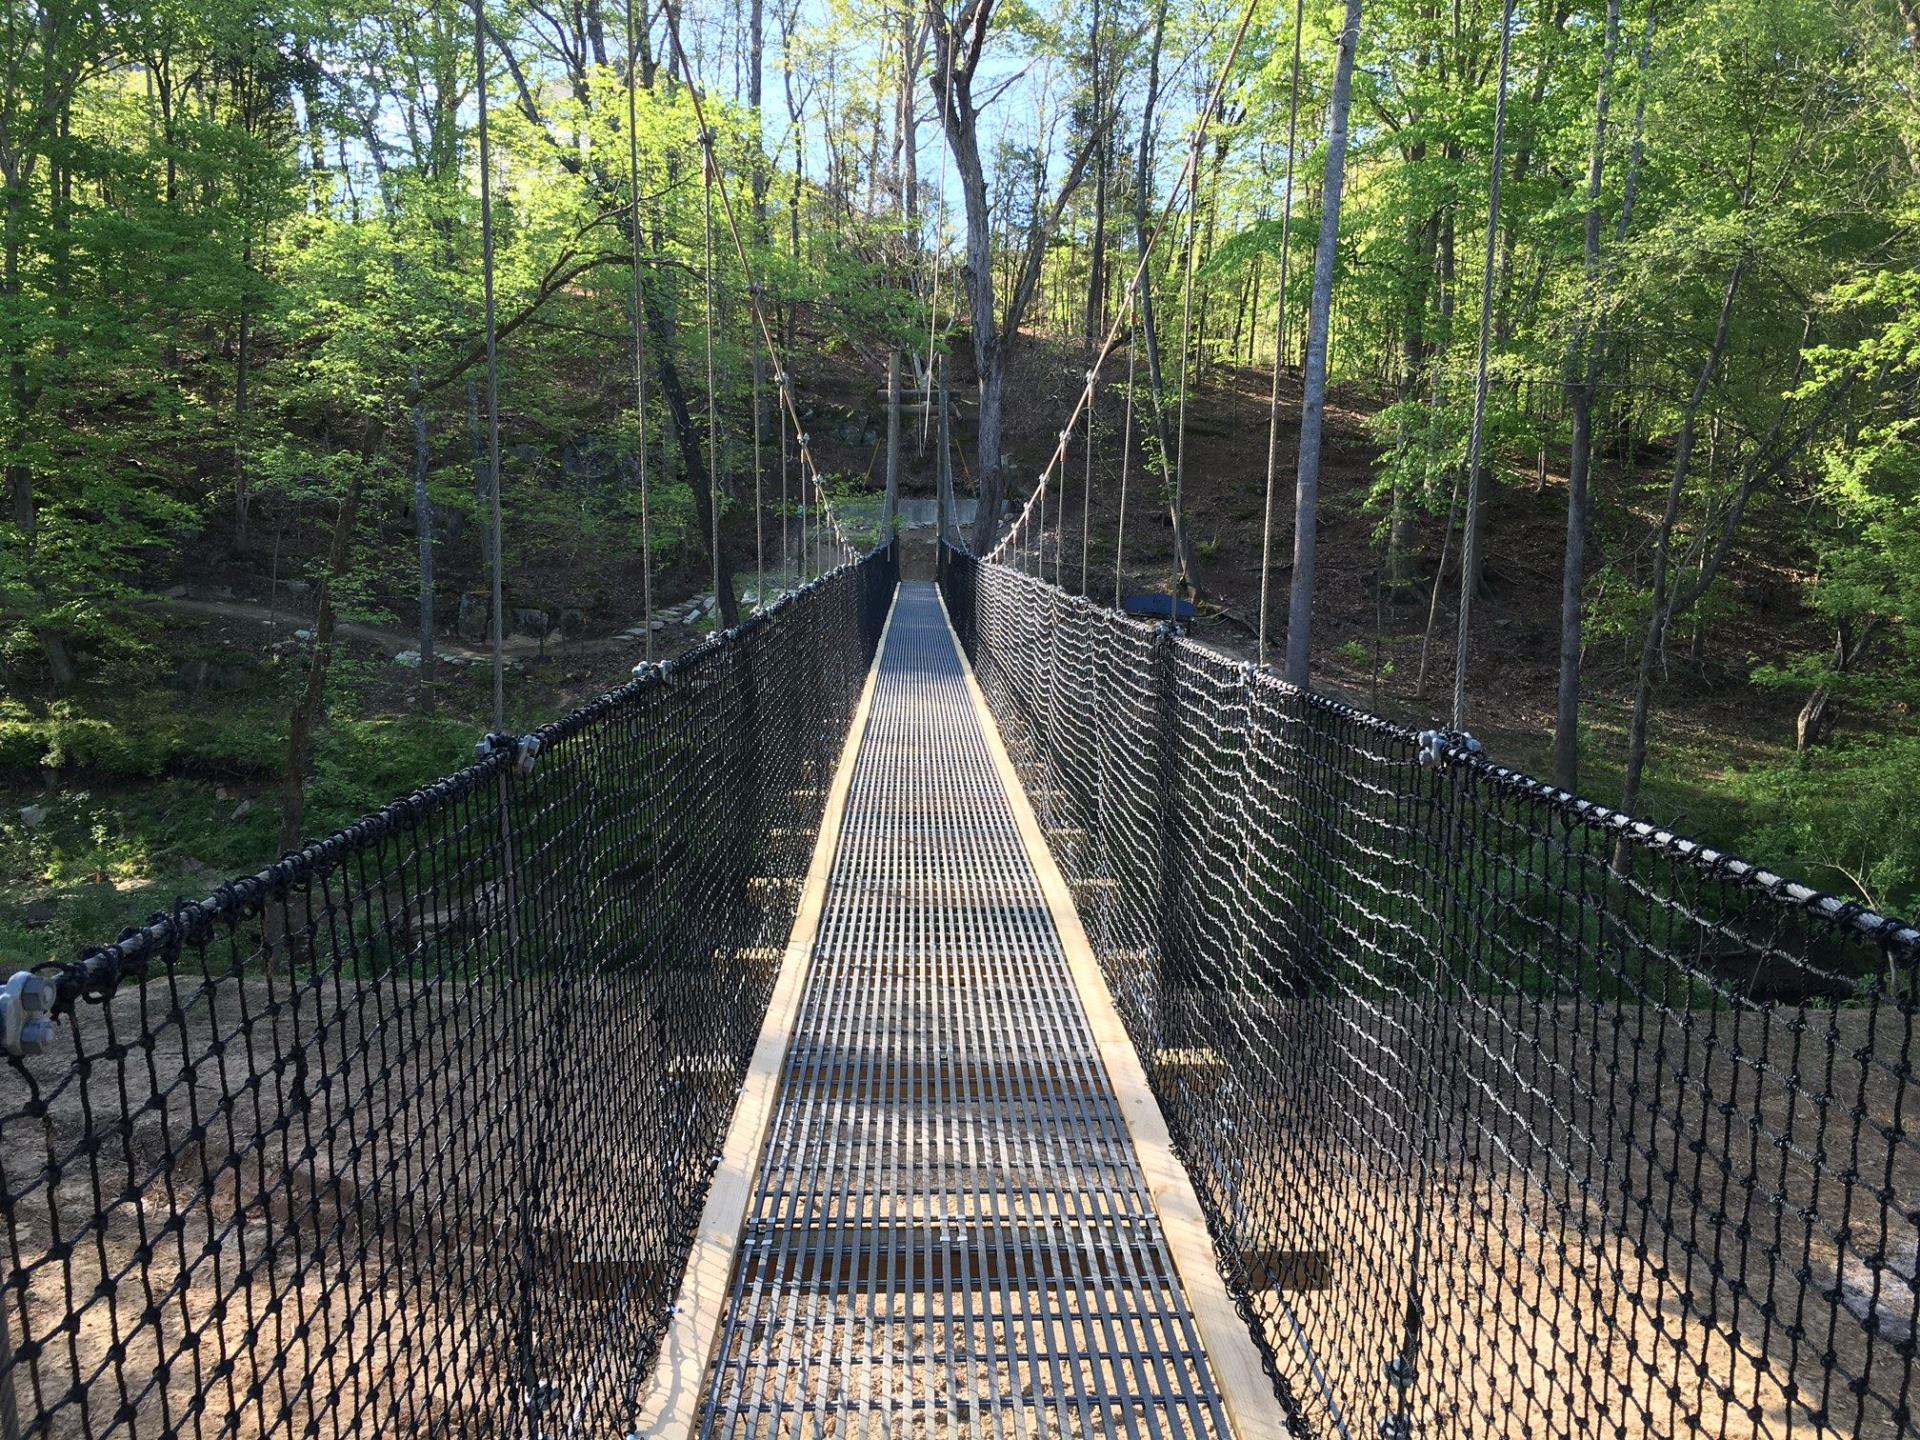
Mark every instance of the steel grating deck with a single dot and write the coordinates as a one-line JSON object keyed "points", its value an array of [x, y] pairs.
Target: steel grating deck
{"points": [[950, 1233]]}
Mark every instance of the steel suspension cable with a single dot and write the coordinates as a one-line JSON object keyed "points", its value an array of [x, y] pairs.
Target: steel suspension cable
{"points": [[1086, 500], [781, 376], [1186, 361], [1126, 457], [493, 367], [1470, 540], [759, 502], [713, 428], [639, 330], [1279, 336], [1187, 174]]}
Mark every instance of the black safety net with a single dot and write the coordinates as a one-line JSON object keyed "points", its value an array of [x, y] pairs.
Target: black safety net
{"points": [[409, 1133], [1513, 1116]]}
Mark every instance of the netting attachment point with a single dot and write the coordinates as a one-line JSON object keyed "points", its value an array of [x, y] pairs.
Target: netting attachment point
{"points": [[1435, 745], [26, 1014]]}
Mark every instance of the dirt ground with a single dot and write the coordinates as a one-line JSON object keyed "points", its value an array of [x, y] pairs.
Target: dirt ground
{"points": [[1629, 1221], [257, 1207]]}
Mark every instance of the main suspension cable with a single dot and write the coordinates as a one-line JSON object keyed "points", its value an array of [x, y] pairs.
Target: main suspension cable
{"points": [[1126, 457], [1470, 539], [639, 330], [1188, 174], [713, 427], [1279, 336], [493, 368]]}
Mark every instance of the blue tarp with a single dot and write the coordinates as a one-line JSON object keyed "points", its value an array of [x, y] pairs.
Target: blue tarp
{"points": [[1158, 607]]}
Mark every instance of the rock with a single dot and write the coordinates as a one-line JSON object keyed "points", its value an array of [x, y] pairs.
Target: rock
{"points": [[449, 522], [520, 637], [38, 914], [242, 810], [305, 637], [33, 816], [556, 637], [658, 625], [408, 659], [571, 620], [532, 622], [175, 592], [295, 587], [219, 792], [475, 617]]}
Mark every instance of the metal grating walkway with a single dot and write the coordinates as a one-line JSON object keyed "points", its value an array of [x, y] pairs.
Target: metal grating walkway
{"points": [[950, 1234]]}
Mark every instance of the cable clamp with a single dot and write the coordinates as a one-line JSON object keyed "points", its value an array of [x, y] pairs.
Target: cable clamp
{"points": [[523, 747], [1435, 745], [26, 1014]]}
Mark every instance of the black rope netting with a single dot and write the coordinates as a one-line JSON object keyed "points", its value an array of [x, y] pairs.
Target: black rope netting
{"points": [[410, 1132], [1512, 1116]]}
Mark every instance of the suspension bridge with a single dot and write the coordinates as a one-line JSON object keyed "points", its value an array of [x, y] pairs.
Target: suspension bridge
{"points": [[960, 1009], [970, 1012]]}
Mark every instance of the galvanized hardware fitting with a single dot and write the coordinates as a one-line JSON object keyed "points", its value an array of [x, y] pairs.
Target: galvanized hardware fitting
{"points": [[26, 1014]]}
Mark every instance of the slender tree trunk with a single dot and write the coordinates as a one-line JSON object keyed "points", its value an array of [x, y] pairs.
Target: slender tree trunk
{"points": [[1096, 317], [1313, 406], [1663, 546], [1149, 327], [423, 533], [1566, 729], [305, 719], [891, 502], [693, 458]]}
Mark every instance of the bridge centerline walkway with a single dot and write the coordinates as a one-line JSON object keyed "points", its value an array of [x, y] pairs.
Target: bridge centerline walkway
{"points": [[951, 1231]]}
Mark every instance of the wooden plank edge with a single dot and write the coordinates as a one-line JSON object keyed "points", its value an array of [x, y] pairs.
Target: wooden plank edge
{"points": [[677, 1385], [1253, 1409]]}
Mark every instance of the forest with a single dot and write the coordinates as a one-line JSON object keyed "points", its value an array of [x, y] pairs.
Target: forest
{"points": [[1598, 320]]}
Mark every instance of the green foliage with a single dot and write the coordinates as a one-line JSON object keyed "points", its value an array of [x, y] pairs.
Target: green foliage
{"points": [[1843, 817]]}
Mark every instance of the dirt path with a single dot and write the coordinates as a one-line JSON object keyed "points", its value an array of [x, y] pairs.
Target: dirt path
{"points": [[388, 640]]}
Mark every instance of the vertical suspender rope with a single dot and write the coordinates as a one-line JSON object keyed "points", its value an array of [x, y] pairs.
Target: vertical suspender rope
{"points": [[759, 504], [639, 330], [716, 179], [786, 566], [713, 426], [1470, 544], [1186, 362], [493, 366], [1126, 453], [1190, 173], [1086, 502], [1279, 337]]}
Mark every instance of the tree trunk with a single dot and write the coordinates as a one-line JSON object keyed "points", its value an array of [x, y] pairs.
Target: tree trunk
{"points": [[1663, 548], [1149, 328], [993, 330], [1313, 405], [892, 501], [306, 710], [423, 533], [1587, 350], [692, 458], [1096, 318]]}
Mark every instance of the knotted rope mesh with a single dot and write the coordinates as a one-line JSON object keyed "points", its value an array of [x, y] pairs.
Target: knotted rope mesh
{"points": [[1512, 1117], [410, 1132]]}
